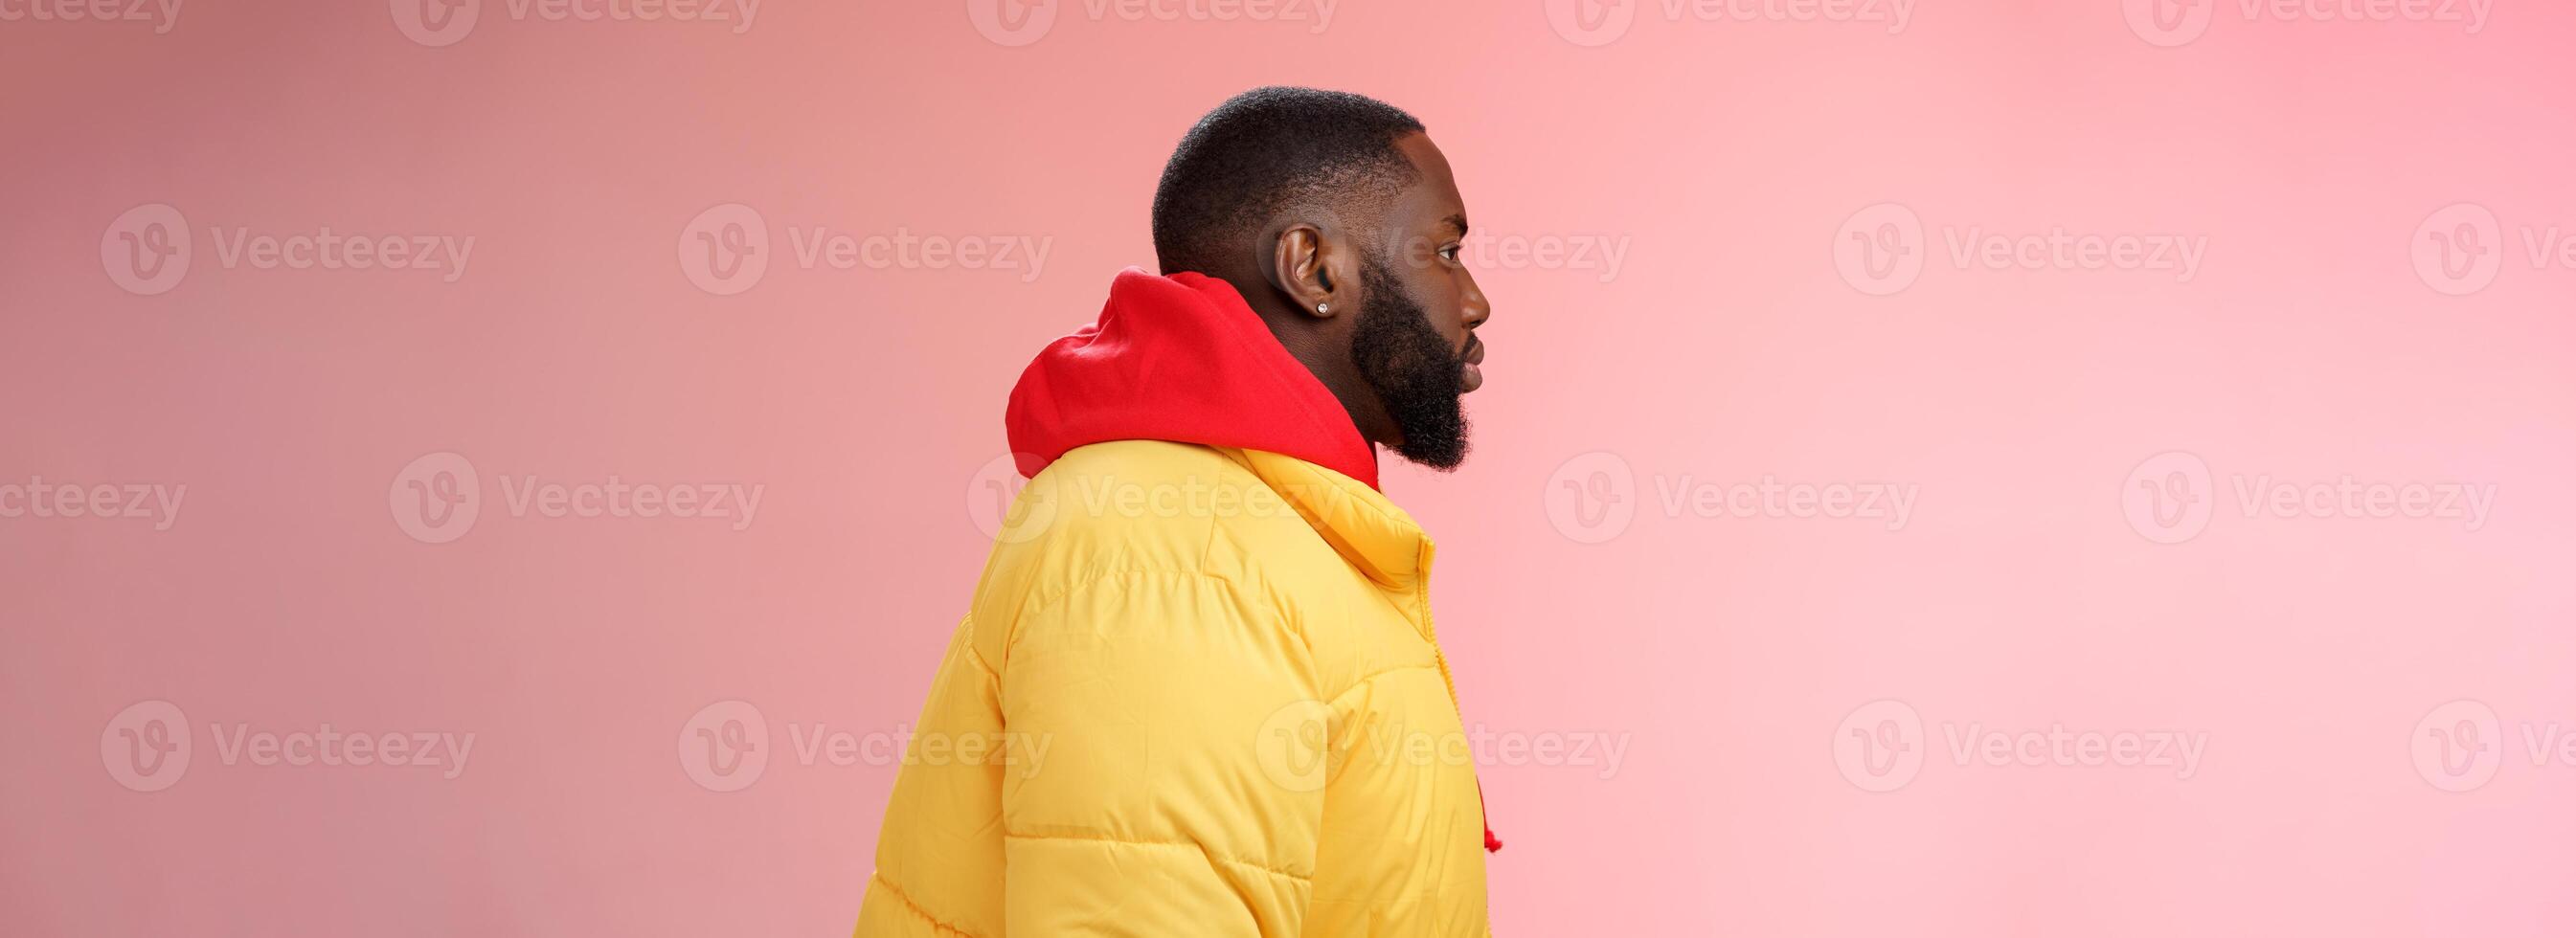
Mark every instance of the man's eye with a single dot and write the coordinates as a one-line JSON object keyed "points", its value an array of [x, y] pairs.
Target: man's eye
{"points": [[1449, 253]]}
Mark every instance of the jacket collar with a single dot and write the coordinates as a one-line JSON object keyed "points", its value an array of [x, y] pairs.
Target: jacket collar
{"points": [[1369, 531]]}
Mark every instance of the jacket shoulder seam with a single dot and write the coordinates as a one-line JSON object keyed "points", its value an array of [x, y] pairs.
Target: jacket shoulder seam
{"points": [[976, 655], [1051, 604], [1212, 855], [1363, 680]]}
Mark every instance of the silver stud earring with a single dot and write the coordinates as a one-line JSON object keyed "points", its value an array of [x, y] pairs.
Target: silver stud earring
{"points": [[1323, 308]]}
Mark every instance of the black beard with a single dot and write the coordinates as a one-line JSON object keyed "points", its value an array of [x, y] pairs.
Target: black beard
{"points": [[1411, 368]]}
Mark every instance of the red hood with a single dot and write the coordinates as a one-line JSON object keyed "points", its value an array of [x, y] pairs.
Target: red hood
{"points": [[1180, 358]]}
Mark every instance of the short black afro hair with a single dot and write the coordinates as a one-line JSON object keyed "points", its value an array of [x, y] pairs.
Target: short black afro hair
{"points": [[1269, 149]]}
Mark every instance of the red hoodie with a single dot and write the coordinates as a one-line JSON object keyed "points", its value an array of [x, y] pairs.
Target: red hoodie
{"points": [[1180, 358]]}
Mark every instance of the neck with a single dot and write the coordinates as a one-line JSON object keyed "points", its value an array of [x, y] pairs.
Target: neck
{"points": [[1322, 345]]}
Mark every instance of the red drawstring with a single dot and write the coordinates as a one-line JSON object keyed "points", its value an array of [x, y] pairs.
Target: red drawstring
{"points": [[1492, 843]]}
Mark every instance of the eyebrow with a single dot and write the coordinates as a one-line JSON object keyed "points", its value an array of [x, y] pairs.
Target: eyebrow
{"points": [[1458, 221]]}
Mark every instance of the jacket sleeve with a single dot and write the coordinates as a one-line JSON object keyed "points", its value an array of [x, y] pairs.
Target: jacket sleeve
{"points": [[1179, 786], [939, 863]]}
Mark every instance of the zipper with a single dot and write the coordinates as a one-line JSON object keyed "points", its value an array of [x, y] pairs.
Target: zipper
{"points": [[1431, 633]]}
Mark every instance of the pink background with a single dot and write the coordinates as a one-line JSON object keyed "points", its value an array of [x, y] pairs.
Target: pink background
{"points": [[2028, 588]]}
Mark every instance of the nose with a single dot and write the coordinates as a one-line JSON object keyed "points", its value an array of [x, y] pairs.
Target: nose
{"points": [[1473, 307]]}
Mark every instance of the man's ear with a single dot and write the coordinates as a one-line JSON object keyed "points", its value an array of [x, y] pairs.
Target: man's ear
{"points": [[1314, 272]]}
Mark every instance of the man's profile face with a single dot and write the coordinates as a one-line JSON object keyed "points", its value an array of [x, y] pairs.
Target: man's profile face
{"points": [[1414, 341]]}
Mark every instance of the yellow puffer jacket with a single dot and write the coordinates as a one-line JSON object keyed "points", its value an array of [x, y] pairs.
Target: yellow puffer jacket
{"points": [[1197, 693], [1207, 699]]}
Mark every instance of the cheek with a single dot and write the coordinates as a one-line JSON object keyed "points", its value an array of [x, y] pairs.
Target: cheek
{"points": [[1445, 306]]}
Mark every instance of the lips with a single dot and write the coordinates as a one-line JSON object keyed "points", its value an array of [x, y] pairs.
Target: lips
{"points": [[1472, 375]]}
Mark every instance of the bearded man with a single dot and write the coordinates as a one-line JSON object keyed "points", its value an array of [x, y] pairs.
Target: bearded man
{"points": [[1199, 670]]}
